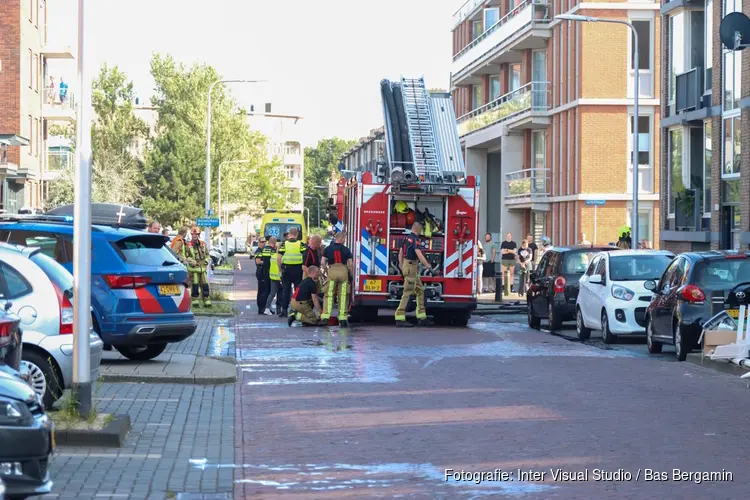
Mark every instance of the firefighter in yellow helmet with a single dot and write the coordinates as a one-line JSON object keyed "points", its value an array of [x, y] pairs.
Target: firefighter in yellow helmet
{"points": [[409, 257], [198, 262]]}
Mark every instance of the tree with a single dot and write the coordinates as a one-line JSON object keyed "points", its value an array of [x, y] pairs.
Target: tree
{"points": [[116, 171], [320, 162], [175, 168]]}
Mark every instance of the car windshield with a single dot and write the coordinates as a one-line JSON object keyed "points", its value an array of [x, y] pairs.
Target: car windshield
{"points": [[277, 229], [638, 267], [721, 274], [146, 251], [57, 274], [577, 262]]}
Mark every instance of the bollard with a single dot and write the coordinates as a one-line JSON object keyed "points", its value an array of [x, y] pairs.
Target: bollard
{"points": [[498, 287], [506, 282]]}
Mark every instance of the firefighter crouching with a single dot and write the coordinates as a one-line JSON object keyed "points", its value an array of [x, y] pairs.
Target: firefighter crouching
{"points": [[409, 257], [305, 301], [337, 260], [290, 258], [198, 261]]}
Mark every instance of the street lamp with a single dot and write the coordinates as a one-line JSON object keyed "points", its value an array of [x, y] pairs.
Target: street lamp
{"points": [[636, 91], [219, 193], [207, 235], [317, 201]]}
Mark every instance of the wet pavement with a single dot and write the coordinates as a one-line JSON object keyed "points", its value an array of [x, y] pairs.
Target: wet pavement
{"points": [[492, 410]]}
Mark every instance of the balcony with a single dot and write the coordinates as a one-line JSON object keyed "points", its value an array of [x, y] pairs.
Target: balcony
{"points": [[56, 51], [526, 27], [527, 188], [525, 107], [293, 159], [689, 90], [59, 109], [466, 10], [57, 162]]}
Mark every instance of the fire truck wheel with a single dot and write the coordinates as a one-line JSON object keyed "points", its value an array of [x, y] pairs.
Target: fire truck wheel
{"points": [[461, 319], [442, 319], [363, 315]]}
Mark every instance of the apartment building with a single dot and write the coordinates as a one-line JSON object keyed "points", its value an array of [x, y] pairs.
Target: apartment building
{"points": [[30, 101], [545, 115], [365, 155], [705, 129]]}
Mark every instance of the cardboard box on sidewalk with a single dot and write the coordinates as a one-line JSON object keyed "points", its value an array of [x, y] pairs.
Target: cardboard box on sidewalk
{"points": [[715, 338]]}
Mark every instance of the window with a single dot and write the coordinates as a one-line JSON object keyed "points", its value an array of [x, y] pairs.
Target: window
{"points": [[601, 267], [645, 174], [708, 37], [476, 29], [732, 65], [476, 97], [491, 17], [35, 73], [638, 267], [31, 69], [676, 177], [707, 167], [643, 28], [539, 79], [494, 87], [514, 76], [31, 11], [539, 161], [290, 172], [577, 262], [732, 141], [144, 251], [31, 135], [676, 50], [54, 271], [36, 137], [592, 266], [15, 284], [291, 148]]}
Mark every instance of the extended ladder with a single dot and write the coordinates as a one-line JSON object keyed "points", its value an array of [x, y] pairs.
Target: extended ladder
{"points": [[421, 134]]}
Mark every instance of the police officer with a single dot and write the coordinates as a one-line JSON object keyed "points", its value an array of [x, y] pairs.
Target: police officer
{"points": [[290, 258], [409, 257], [263, 273], [337, 262]]}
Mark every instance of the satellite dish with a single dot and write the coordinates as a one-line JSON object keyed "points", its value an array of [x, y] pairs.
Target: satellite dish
{"points": [[734, 31]]}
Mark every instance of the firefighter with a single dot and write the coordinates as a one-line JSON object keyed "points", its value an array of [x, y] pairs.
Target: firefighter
{"points": [[263, 273], [409, 257], [274, 275], [305, 301], [198, 261], [179, 246], [337, 262], [290, 259]]}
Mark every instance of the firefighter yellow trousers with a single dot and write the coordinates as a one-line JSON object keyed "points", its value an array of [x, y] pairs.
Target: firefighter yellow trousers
{"points": [[412, 286], [303, 312], [337, 286]]}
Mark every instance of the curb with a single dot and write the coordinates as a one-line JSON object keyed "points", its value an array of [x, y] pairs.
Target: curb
{"points": [[112, 436], [719, 366], [170, 379]]}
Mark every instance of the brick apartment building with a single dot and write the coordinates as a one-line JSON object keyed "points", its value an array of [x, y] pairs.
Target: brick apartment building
{"points": [[705, 128], [544, 113], [28, 102]]}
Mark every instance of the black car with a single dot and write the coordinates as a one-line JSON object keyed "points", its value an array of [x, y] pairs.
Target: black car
{"points": [[683, 297], [26, 439], [554, 285]]}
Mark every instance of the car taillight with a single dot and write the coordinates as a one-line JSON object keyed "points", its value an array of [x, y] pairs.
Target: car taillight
{"points": [[560, 282], [116, 281], [6, 331], [66, 312], [692, 293]]}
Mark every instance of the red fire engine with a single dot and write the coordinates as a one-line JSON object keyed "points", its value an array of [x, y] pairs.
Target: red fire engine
{"points": [[421, 179]]}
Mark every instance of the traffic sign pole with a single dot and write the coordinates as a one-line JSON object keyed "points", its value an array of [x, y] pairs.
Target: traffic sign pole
{"points": [[596, 204]]}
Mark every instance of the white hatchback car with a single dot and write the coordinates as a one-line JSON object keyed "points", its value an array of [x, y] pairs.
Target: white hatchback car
{"points": [[612, 296]]}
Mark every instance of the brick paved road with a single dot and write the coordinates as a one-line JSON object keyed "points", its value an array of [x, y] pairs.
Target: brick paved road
{"points": [[378, 411]]}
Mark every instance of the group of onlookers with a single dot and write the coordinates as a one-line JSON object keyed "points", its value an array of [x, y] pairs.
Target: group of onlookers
{"points": [[511, 258], [56, 93]]}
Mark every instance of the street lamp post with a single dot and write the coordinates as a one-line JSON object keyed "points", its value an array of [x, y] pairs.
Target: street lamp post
{"points": [[574, 17], [219, 190], [82, 236], [207, 234], [317, 201]]}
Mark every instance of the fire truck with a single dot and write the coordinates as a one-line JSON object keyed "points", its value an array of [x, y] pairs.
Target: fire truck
{"points": [[421, 178]]}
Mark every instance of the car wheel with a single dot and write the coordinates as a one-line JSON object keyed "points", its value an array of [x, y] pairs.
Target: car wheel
{"points": [[142, 353], [681, 348], [555, 322], [534, 322], [42, 376], [583, 332], [652, 345], [607, 335]]}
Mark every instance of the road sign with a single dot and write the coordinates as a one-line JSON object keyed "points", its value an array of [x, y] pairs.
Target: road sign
{"points": [[208, 221], [596, 203]]}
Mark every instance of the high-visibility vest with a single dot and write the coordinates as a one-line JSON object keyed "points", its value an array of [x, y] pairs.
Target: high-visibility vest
{"points": [[273, 268], [292, 253]]}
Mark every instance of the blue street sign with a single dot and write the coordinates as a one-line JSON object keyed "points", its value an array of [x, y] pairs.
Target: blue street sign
{"points": [[208, 221], [596, 202]]}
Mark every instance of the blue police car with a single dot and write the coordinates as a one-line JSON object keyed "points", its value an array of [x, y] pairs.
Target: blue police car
{"points": [[139, 293]]}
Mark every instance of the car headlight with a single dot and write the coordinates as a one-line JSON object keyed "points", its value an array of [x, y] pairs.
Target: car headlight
{"points": [[622, 293], [14, 413]]}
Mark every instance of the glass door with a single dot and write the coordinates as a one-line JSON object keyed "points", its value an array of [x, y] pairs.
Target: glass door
{"points": [[539, 79]]}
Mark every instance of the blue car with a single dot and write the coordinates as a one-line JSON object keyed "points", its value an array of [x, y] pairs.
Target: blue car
{"points": [[139, 293]]}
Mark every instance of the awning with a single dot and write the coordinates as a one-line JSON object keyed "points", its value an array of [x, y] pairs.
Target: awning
{"points": [[13, 140]]}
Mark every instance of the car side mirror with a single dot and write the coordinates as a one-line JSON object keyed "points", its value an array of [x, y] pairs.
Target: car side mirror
{"points": [[650, 285], [595, 279]]}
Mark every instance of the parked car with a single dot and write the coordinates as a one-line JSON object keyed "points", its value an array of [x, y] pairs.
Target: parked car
{"points": [[139, 296], [553, 289], [612, 297], [26, 440], [683, 296], [2, 490], [241, 245], [29, 283], [217, 256], [10, 342]]}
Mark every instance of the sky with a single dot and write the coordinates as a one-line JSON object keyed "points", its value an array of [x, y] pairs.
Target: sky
{"points": [[323, 59]]}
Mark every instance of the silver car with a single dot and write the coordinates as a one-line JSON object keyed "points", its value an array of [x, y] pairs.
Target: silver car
{"points": [[32, 283]]}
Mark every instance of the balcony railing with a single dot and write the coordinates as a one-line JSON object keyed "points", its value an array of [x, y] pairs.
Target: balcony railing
{"points": [[506, 27], [527, 183], [56, 100], [531, 97], [59, 160], [689, 90], [465, 11]]}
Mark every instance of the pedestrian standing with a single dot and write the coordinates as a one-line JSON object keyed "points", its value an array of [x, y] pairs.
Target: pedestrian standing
{"points": [[524, 266], [263, 273], [481, 259], [582, 240], [508, 251], [488, 271], [50, 97], [305, 302], [312, 254], [337, 262], [274, 275], [534, 250], [179, 247], [290, 258], [63, 91], [409, 257]]}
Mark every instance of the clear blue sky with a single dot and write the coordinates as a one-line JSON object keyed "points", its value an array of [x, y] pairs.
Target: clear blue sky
{"points": [[324, 58]]}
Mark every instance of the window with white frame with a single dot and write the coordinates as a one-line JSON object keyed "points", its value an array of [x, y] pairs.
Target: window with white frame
{"points": [[644, 26], [494, 87], [732, 146], [732, 66], [476, 29], [645, 156], [645, 223], [676, 182], [709, 44], [291, 172], [491, 17], [687, 48], [514, 77], [707, 153], [476, 97]]}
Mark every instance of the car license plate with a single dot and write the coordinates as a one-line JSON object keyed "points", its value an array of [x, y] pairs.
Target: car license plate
{"points": [[735, 313], [169, 289], [373, 286]]}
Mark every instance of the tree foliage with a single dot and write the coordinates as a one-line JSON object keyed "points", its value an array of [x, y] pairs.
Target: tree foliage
{"points": [[320, 162]]}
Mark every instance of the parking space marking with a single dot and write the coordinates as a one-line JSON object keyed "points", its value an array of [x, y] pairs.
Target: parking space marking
{"points": [[112, 455], [146, 400]]}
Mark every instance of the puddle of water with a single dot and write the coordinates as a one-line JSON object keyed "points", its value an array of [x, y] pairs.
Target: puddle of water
{"points": [[222, 340], [329, 477]]}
